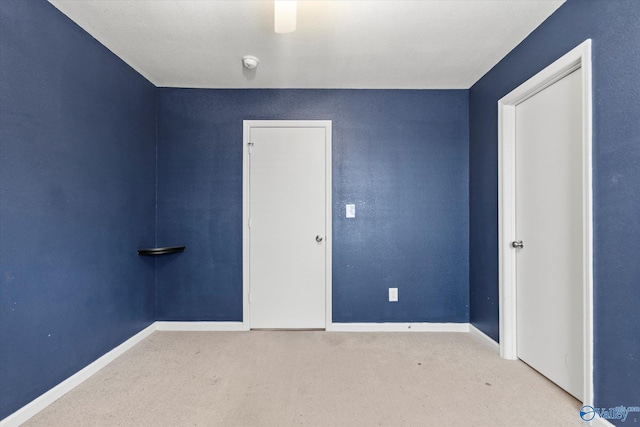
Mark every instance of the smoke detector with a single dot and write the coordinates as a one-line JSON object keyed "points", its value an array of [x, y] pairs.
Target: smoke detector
{"points": [[250, 62]]}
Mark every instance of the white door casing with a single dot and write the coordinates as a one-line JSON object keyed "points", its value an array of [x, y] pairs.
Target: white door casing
{"points": [[286, 209], [576, 61]]}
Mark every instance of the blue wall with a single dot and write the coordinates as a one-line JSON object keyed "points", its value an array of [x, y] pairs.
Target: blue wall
{"points": [[77, 176], [614, 26], [400, 156]]}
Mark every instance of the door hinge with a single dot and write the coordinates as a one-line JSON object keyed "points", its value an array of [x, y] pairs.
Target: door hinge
{"points": [[249, 297], [250, 144], [249, 223]]}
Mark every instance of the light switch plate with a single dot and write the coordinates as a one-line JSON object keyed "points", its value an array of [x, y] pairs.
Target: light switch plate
{"points": [[351, 211], [393, 294]]}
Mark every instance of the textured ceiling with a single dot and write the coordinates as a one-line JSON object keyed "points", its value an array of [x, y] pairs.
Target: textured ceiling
{"points": [[338, 44]]}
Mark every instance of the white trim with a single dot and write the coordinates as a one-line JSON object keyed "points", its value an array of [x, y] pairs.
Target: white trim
{"points": [[587, 250], [46, 399], [506, 230], [200, 326], [398, 327], [247, 124], [484, 338], [578, 58], [329, 225], [245, 224]]}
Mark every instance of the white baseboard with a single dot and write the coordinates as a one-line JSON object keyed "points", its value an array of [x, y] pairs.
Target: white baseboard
{"points": [[600, 422], [484, 338], [46, 399], [200, 326], [398, 327]]}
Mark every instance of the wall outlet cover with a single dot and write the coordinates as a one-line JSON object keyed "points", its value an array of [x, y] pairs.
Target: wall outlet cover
{"points": [[393, 294], [351, 211]]}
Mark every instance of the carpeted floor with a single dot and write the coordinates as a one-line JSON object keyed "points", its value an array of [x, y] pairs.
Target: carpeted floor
{"points": [[289, 378]]}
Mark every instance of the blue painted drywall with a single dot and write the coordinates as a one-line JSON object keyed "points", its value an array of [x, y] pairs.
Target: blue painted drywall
{"points": [[400, 156], [614, 27], [77, 177]]}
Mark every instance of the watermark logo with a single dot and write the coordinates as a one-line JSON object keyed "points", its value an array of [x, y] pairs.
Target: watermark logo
{"points": [[588, 413]]}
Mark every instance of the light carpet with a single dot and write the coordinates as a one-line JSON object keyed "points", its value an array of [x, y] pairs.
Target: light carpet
{"points": [[312, 378]]}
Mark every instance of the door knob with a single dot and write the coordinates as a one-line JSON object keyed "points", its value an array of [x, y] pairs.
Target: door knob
{"points": [[319, 238], [517, 244]]}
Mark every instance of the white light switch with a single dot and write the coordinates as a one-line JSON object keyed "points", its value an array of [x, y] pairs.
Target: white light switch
{"points": [[351, 211], [393, 294]]}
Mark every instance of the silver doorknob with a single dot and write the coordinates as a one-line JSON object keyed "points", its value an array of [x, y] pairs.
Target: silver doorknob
{"points": [[517, 244], [319, 238]]}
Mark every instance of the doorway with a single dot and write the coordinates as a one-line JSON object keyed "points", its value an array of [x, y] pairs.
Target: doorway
{"points": [[287, 229], [545, 223]]}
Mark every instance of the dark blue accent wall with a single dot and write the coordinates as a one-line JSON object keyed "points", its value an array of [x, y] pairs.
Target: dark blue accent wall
{"points": [[614, 26], [400, 155], [77, 198]]}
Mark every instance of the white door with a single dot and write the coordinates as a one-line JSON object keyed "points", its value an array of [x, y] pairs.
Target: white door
{"points": [[549, 222], [287, 226]]}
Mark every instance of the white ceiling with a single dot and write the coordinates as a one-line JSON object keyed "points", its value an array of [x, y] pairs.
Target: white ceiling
{"points": [[397, 44]]}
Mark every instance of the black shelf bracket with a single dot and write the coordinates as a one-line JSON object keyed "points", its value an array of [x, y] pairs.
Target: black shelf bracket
{"points": [[161, 251]]}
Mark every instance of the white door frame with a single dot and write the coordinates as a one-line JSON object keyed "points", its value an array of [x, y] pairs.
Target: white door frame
{"points": [[577, 59], [247, 125]]}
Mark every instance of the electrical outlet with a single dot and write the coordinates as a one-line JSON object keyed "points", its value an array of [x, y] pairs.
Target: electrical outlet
{"points": [[393, 294]]}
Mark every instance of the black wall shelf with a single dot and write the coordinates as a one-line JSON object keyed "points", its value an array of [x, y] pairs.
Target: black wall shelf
{"points": [[161, 251]]}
